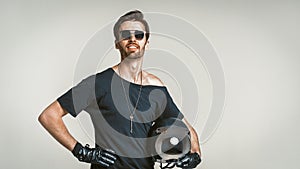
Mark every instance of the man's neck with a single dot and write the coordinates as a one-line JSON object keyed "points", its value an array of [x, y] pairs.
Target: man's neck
{"points": [[130, 69]]}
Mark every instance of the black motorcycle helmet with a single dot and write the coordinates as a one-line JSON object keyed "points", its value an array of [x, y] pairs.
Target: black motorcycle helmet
{"points": [[169, 140]]}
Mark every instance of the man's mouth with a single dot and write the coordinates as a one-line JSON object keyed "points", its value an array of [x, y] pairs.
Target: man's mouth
{"points": [[132, 46]]}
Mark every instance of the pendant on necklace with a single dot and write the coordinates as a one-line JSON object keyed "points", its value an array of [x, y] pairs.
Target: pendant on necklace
{"points": [[131, 118]]}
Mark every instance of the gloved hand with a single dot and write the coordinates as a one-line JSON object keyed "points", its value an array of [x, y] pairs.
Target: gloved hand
{"points": [[99, 156], [190, 160]]}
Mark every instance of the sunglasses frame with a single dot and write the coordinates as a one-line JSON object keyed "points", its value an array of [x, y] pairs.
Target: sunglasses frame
{"points": [[122, 37]]}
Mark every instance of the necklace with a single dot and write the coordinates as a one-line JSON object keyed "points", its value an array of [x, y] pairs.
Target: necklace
{"points": [[137, 101]]}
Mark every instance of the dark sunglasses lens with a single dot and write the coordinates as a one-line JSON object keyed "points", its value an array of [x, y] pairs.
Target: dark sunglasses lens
{"points": [[125, 34], [139, 35]]}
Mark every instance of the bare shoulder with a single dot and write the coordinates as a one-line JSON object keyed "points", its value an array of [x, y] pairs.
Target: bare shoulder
{"points": [[151, 79]]}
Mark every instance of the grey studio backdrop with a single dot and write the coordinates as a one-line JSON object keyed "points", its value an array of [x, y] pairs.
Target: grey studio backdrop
{"points": [[255, 44]]}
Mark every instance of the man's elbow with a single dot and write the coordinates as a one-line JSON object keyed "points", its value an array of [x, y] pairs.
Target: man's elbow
{"points": [[44, 118], [48, 117], [51, 114]]}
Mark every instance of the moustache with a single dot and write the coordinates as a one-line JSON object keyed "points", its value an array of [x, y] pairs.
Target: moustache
{"points": [[134, 44]]}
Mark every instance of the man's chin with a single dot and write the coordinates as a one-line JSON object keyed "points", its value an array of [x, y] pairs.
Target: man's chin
{"points": [[134, 56]]}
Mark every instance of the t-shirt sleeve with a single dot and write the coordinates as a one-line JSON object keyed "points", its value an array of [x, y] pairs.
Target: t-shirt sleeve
{"points": [[169, 108], [79, 97]]}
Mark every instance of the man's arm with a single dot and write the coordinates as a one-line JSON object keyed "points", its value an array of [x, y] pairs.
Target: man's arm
{"points": [[193, 158], [51, 119], [195, 147]]}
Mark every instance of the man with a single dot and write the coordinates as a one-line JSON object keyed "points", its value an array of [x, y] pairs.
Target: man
{"points": [[123, 102]]}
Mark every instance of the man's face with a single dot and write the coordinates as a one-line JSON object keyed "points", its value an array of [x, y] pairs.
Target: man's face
{"points": [[130, 44]]}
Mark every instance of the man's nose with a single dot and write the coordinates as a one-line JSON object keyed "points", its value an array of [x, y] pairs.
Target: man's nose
{"points": [[132, 37]]}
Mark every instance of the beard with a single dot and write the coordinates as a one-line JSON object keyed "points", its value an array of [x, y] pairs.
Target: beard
{"points": [[132, 55], [135, 55]]}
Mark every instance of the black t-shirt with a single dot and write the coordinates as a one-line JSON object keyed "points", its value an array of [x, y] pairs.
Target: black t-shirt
{"points": [[109, 103]]}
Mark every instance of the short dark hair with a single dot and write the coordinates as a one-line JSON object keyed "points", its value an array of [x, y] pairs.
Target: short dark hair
{"points": [[134, 15]]}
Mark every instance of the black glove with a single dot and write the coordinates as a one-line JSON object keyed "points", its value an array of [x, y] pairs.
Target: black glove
{"points": [[190, 160], [99, 156]]}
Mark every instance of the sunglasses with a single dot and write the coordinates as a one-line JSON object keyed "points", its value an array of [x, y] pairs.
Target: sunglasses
{"points": [[126, 34]]}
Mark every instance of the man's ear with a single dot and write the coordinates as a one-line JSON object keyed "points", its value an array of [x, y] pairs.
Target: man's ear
{"points": [[147, 45], [117, 44]]}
